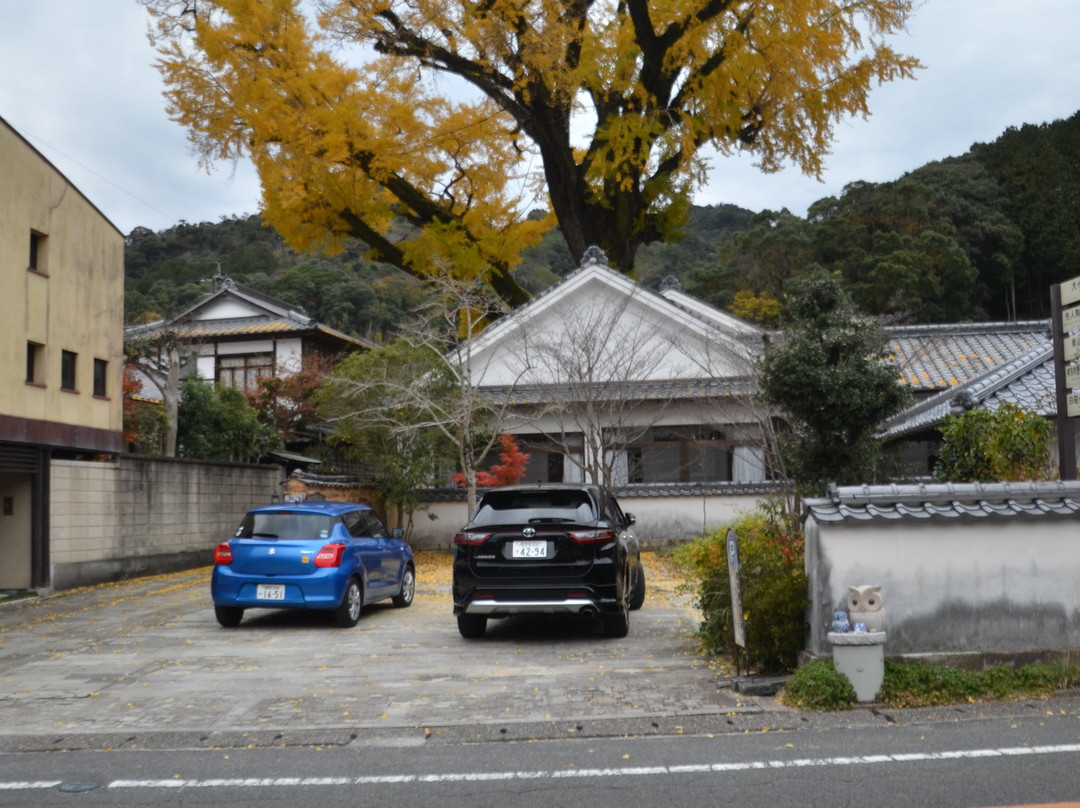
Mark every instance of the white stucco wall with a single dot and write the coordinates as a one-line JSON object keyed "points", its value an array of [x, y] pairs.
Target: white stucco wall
{"points": [[952, 586], [205, 368], [629, 332], [250, 346], [225, 309], [661, 520], [289, 355]]}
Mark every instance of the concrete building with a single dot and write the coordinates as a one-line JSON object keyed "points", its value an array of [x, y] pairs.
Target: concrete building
{"points": [[61, 345]]}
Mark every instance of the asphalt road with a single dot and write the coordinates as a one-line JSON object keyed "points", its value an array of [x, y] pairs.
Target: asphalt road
{"points": [[131, 694], [997, 760]]}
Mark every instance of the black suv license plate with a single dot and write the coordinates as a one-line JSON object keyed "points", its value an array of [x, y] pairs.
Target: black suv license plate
{"points": [[535, 548]]}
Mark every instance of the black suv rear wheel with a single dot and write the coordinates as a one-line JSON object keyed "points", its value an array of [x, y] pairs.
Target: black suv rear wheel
{"points": [[637, 594], [471, 626], [617, 625]]}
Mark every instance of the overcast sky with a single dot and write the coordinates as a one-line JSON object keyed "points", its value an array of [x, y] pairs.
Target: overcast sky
{"points": [[79, 84]]}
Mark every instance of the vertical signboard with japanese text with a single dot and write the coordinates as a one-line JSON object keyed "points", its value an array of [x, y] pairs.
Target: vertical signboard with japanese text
{"points": [[1066, 332], [735, 583]]}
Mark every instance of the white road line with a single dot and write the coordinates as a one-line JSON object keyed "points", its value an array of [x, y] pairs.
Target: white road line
{"points": [[562, 774], [30, 785]]}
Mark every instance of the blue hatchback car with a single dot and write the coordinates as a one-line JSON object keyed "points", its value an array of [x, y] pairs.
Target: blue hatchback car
{"points": [[335, 556]]}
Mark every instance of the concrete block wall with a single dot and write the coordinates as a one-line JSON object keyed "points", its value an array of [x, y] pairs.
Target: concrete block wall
{"points": [[135, 516]]}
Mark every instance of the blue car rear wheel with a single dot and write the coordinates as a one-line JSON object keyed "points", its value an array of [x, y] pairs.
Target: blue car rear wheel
{"points": [[347, 614], [408, 589], [228, 616]]}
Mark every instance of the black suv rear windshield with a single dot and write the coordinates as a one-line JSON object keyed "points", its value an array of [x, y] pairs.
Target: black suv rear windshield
{"points": [[531, 507], [284, 525]]}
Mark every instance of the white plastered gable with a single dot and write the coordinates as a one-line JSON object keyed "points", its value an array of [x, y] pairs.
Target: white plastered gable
{"points": [[669, 336], [228, 307]]}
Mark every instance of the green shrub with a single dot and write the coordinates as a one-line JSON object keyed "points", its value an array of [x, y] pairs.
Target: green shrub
{"points": [[1006, 445], [920, 685], [773, 588], [819, 686]]}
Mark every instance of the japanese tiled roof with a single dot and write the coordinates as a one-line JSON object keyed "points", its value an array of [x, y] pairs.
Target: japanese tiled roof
{"points": [[147, 388], [327, 480], [931, 358], [275, 317], [960, 501], [1027, 382], [254, 326], [663, 390]]}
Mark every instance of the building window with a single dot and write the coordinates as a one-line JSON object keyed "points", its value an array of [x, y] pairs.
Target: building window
{"points": [[101, 368], [555, 468], [688, 455], [37, 253], [244, 372], [67, 370], [35, 361], [548, 461]]}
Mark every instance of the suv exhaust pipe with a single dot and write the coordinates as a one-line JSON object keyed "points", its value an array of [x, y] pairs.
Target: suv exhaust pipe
{"points": [[588, 612]]}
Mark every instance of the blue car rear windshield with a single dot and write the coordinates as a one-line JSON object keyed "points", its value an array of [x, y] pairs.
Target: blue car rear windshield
{"points": [[284, 525], [534, 507]]}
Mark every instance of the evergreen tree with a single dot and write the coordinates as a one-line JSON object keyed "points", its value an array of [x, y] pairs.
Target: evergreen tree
{"points": [[828, 382]]}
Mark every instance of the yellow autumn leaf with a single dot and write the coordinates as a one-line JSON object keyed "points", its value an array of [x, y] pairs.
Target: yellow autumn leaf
{"points": [[350, 141]]}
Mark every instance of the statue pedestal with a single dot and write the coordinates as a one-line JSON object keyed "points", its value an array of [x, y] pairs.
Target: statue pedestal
{"points": [[860, 656]]}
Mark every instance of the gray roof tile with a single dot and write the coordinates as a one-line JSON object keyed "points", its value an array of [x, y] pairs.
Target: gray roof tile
{"points": [[1027, 381], [626, 391], [940, 357], [1036, 500]]}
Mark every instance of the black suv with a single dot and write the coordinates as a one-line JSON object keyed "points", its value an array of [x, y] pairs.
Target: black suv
{"points": [[547, 549]]}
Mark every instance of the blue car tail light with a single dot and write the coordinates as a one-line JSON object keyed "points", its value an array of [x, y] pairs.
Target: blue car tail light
{"points": [[330, 555], [223, 554]]}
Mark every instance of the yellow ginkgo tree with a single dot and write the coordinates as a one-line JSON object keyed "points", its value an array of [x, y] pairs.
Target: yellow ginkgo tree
{"points": [[427, 128]]}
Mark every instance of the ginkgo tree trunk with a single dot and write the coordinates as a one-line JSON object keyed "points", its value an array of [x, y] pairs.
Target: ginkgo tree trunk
{"points": [[430, 128]]}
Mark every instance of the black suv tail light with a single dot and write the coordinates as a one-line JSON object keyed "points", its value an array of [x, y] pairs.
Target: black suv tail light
{"points": [[592, 536], [471, 539]]}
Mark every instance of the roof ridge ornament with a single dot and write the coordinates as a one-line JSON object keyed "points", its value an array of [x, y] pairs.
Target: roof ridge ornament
{"points": [[594, 255], [670, 283]]}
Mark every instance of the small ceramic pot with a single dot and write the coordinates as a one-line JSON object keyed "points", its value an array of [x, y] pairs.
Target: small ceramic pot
{"points": [[840, 623]]}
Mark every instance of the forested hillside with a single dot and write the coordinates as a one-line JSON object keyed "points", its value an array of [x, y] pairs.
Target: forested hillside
{"points": [[166, 272], [980, 236], [975, 237]]}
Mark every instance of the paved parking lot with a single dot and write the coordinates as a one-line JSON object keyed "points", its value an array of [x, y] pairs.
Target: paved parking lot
{"points": [[143, 662]]}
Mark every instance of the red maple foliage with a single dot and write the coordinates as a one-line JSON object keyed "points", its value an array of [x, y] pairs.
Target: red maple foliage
{"points": [[508, 472], [286, 403]]}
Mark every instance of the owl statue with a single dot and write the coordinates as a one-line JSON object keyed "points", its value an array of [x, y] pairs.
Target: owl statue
{"points": [[865, 606]]}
